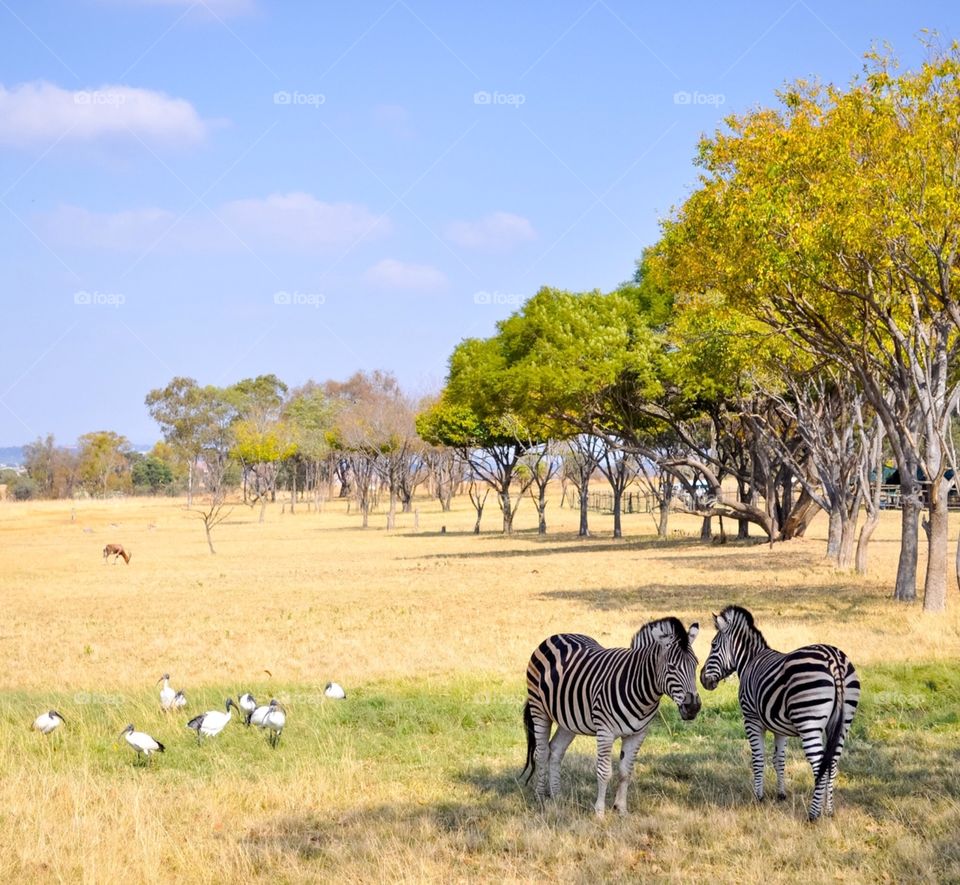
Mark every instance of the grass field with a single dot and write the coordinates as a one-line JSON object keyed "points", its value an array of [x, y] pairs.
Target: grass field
{"points": [[414, 776]]}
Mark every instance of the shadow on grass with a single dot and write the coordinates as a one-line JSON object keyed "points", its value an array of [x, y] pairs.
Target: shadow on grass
{"points": [[844, 603]]}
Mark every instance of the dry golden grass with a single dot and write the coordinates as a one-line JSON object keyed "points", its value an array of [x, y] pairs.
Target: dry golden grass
{"points": [[413, 778]]}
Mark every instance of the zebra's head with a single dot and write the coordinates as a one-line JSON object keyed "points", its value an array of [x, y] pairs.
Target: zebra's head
{"points": [[735, 633], [677, 662]]}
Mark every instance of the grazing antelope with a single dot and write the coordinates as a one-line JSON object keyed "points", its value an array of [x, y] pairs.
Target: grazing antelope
{"points": [[116, 551]]}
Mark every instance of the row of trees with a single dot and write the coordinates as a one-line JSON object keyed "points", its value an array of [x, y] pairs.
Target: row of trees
{"points": [[797, 320], [101, 464]]}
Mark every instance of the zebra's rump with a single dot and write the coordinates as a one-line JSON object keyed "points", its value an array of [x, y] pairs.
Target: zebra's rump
{"points": [[574, 681], [788, 691]]}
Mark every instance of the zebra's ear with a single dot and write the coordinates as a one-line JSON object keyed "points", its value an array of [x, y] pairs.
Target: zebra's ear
{"points": [[692, 632], [721, 622]]}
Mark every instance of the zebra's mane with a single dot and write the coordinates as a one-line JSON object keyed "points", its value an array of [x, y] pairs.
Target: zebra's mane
{"points": [[642, 636], [738, 614]]}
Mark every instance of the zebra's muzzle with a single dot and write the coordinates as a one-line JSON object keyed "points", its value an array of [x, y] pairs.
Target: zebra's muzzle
{"points": [[690, 706], [708, 682]]}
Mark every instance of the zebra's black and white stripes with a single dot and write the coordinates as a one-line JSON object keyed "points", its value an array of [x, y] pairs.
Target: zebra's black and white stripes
{"points": [[609, 692], [812, 693]]}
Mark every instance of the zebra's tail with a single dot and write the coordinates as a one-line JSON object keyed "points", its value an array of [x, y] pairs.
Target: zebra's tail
{"points": [[531, 742], [835, 722]]}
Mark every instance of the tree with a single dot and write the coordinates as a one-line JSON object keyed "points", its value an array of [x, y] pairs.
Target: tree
{"points": [[151, 474], [103, 461], [836, 221], [309, 412]]}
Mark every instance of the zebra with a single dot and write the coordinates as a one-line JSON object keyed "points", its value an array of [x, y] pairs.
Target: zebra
{"points": [[812, 693], [607, 692]]}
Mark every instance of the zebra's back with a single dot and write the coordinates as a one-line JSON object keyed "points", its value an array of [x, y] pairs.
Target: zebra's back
{"points": [[786, 691]]}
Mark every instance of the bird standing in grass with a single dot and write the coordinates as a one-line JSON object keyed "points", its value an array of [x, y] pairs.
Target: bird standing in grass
{"points": [[274, 719], [168, 696], [335, 691], [47, 722], [248, 703], [258, 715], [141, 742], [211, 723]]}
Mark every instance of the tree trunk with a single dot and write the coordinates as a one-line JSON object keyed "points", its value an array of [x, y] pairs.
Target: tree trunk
{"points": [[617, 507], [190, 482], [905, 588], [263, 507], [293, 488], [848, 534], [872, 521], [935, 584], [834, 532], [506, 506], [706, 529], [664, 519], [392, 511], [206, 528], [584, 531], [542, 510]]}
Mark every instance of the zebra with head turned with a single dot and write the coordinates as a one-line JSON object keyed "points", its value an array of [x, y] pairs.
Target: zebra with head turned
{"points": [[812, 693], [608, 692]]}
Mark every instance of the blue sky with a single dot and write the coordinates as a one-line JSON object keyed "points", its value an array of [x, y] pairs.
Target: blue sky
{"points": [[226, 188]]}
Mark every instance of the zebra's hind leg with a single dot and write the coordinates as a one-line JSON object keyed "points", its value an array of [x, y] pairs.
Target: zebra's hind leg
{"points": [[755, 732], [558, 746], [628, 755], [813, 750], [779, 763], [541, 754], [604, 770]]}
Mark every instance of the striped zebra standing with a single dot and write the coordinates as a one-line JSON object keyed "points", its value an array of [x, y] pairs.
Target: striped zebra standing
{"points": [[608, 692], [812, 693]]}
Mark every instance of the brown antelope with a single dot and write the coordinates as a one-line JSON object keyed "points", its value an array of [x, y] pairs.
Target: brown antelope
{"points": [[116, 551]]}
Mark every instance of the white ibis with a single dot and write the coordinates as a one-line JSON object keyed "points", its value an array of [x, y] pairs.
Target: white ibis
{"points": [[211, 723], [335, 690], [167, 694], [141, 742], [47, 722], [258, 715], [275, 719], [248, 703]]}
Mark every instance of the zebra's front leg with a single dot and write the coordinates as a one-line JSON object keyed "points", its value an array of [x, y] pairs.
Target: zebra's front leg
{"points": [[558, 746], [628, 755], [755, 733], [779, 763], [604, 746]]}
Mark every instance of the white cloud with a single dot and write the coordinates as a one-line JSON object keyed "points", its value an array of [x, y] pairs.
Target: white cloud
{"points": [[393, 274], [43, 112], [395, 119], [497, 231], [219, 8], [293, 222]]}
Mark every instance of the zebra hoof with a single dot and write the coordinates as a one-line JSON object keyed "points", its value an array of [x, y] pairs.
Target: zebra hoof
{"points": [[781, 797]]}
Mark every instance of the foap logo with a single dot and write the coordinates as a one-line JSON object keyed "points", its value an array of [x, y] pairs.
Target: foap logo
{"points": [[83, 298], [299, 299], [484, 297], [699, 98], [308, 99], [99, 97], [502, 98]]}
